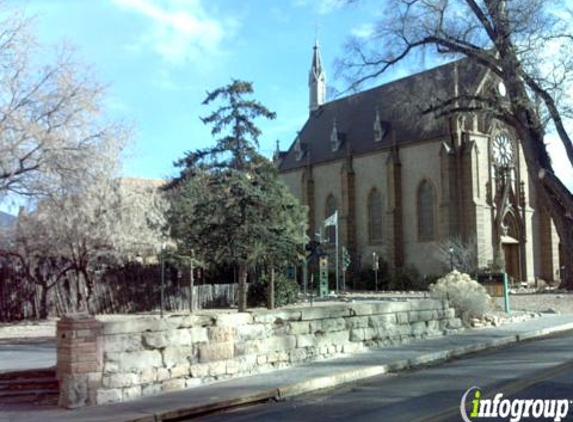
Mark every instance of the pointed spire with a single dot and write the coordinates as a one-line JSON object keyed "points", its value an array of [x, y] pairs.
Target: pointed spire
{"points": [[316, 80]]}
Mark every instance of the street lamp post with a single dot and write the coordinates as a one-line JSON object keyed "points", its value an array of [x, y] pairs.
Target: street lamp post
{"points": [[451, 250], [162, 280], [375, 268]]}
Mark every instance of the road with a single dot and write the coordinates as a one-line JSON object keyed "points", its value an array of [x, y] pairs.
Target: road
{"points": [[27, 354], [540, 369]]}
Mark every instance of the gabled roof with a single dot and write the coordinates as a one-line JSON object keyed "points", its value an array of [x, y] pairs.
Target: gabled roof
{"points": [[399, 104]]}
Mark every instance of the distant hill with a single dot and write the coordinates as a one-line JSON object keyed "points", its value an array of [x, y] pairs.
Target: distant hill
{"points": [[7, 220]]}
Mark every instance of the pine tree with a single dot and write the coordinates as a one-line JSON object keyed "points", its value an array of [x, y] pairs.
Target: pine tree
{"points": [[229, 203]]}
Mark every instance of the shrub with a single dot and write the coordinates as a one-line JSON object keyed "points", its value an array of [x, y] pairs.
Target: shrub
{"points": [[466, 296], [286, 291]]}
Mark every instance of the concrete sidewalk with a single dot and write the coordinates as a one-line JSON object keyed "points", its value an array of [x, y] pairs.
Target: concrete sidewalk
{"points": [[299, 379]]}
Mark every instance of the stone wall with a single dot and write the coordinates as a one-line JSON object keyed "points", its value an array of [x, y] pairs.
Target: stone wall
{"points": [[114, 360]]}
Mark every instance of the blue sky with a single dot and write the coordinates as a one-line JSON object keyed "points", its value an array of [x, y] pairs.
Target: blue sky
{"points": [[159, 57]]}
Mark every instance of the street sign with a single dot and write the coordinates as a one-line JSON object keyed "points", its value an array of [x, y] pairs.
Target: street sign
{"points": [[323, 276]]}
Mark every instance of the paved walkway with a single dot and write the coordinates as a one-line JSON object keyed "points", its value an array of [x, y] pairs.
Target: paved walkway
{"points": [[299, 379]]}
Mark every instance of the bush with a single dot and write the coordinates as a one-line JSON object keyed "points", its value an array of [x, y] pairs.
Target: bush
{"points": [[466, 296], [286, 291]]}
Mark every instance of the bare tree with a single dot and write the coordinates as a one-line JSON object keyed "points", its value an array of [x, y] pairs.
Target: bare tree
{"points": [[526, 44], [48, 114], [103, 222]]}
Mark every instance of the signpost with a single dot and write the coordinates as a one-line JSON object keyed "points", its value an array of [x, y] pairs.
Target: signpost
{"points": [[323, 276]]}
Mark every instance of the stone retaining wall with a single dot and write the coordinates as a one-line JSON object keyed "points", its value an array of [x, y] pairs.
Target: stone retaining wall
{"points": [[104, 361]]}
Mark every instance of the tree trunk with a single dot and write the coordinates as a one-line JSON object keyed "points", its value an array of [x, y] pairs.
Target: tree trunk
{"points": [[43, 300], [554, 196], [242, 287], [271, 291]]}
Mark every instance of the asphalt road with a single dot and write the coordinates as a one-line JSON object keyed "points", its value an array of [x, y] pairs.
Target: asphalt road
{"points": [[540, 369], [27, 354]]}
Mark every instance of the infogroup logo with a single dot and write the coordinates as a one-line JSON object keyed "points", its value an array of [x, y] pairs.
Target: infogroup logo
{"points": [[513, 410]]}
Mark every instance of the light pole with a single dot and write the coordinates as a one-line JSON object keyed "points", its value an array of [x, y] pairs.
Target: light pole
{"points": [[375, 268], [451, 258], [162, 280]]}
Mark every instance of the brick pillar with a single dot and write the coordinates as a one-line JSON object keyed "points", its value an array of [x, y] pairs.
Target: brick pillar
{"points": [[394, 213], [348, 213], [79, 360], [308, 199]]}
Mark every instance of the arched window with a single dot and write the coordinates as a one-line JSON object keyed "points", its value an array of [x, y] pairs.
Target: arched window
{"points": [[375, 217], [426, 211], [330, 209]]}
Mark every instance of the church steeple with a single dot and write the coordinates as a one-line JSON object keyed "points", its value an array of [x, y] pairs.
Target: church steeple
{"points": [[316, 80]]}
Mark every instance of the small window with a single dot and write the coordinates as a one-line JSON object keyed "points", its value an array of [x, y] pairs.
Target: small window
{"points": [[379, 132], [334, 138], [299, 151], [426, 212], [375, 217]]}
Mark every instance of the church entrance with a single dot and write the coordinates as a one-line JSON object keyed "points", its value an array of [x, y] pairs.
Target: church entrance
{"points": [[511, 255]]}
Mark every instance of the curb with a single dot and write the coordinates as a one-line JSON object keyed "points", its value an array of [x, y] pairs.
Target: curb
{"points": [[342, 378]]}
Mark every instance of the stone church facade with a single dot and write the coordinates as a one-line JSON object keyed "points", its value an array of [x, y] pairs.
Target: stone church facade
{"points": [[404, 181]]}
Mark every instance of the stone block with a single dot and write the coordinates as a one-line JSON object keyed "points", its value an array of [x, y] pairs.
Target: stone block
{"points": [[357, 334], [136, 325], [105, 396], [173, 384], [298, 355], [150, 390], [315, 326], [333, 324], [390, 307], [361, 309], [221, 334], [322, 312], [136, 361], [276, 316], [253, 332], [193, 382], [433, 325], [148, 376], [217, 368], [357, 322], [232, 367], [199, 370], [179, 371], [299, 327], [261, 359], [216, 351], [74, 391], [131, 393], [122, 343], [192, 321], [333, 338], [418, 328], [305, 340], [120, 380], [163, 374], [382, 320], [402, 318], [173, 356], [233, 319]]}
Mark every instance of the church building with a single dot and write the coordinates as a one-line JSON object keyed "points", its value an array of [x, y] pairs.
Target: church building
{"points": [[404, 180]]}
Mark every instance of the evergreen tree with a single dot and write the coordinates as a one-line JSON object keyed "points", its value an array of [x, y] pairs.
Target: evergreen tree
{"points": [[229, 203]]}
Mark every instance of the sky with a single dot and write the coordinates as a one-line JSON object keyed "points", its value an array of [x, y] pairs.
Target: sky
{"points": [[160, 57]]}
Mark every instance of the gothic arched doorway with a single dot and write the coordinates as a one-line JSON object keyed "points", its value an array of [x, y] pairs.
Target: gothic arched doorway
{"points": [[511, 247]]}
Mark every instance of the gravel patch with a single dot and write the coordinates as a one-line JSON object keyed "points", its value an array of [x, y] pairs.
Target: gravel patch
{"points": [[561, 302]]}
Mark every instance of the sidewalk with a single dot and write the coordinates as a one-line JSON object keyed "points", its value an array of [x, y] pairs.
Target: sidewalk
{"points": [[299, 379]]}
